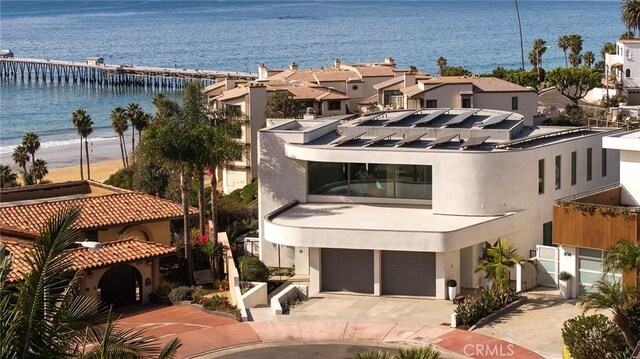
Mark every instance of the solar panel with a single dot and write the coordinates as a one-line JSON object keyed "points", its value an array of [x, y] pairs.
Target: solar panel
{"points": [[378, 139], [441, 140], [400, 117], [474, 142], [493, 120], [345, 139], [432, 116], [411, 139], [461, 117]]}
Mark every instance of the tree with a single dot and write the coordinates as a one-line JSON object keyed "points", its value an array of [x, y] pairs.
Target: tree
{"points": [[498, 261], [573, 83], [623, 256], [120, 124], [455, 71], [32, 142], [84, 126], [575, 47], [629, 34], [441, 62], [42, 318], [537, 50], [135, 115], [630, 14], [39, 170], [588, 58], [608, 48], [563, 44], [21, 157], [610, 295], [522, 78], [521, 40], [282, 105], [8, 179]]}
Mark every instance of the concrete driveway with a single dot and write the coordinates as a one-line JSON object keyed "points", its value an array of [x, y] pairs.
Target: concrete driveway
{"points": [[358, 308], [537, 324]]}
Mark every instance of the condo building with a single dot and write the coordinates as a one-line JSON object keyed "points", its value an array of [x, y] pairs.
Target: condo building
{"points": [[399, 202]]}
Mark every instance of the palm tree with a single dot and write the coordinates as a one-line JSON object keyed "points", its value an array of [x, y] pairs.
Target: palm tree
{"points": [[589, 58], [441, 62], [498, 261], [8, 179], [144, 121], [575, 46], [42, 318], [521, 41], [630, 14], [563, 44], [32, 142], [623, 256], [608, 48], [84, 126], [39, 170], [537, 50], [120, 124], [610, 295], [629, 34], [21, 157], [134, 114], [77, 118]]}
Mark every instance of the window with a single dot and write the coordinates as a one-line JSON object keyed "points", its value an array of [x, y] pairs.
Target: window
{"points": [[391, 97], [369, 180], [540, 176], [628, 73], [432, 103], [547, 234], [589, 164], [466, 102], [590, 269], [514, 103], [604, 162], [558, 171], [334, 105], [574, 166]]}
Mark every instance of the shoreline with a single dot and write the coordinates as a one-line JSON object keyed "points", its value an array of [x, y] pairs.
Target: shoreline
{"points": [[100, 171]]}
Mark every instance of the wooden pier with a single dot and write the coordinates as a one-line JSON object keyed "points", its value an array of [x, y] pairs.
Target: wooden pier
{"points": [[46, 70]]}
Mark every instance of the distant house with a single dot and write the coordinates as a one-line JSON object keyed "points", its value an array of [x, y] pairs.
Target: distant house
{"points": [[6, 54], [95, 60], [622, 68], [133, 230]]}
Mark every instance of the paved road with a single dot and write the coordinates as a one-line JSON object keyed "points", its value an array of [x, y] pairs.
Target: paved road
{"points": [[311, 351]]}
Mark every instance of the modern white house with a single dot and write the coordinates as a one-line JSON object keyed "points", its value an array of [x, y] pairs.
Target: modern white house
{"points": [[588, 224], [398, 202], [624, 65]]}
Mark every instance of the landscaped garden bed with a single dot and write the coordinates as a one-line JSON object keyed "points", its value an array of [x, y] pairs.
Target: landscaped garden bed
{"points": [[475, 308]]}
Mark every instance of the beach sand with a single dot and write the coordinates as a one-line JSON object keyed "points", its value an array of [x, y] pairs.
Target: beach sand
{"points": [[100, 171]]}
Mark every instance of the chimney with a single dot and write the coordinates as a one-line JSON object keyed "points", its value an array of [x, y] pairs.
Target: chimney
{"points": [[336, 63], [293, 66], [389, 60], [229, 83], [262, 71], [409, 78], [310, 114]]}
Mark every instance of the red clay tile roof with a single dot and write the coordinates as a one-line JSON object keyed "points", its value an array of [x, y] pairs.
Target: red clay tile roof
{"points": [[97, 212], [120, 251]]}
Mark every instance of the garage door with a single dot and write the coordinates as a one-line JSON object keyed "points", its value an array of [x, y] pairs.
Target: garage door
{"points": [[347, 270], [409, 273]]}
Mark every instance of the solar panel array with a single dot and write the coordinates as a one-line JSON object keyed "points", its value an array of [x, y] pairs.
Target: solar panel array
{"points": [[378, 139], [494, 120], [346, 139], [474, 142], [411, 139], [432, 116], [460, 118], [442, 140], [400, 117]]}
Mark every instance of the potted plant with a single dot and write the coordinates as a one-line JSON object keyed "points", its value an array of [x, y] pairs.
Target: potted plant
{"points": [[452, 284], [563, 284]]}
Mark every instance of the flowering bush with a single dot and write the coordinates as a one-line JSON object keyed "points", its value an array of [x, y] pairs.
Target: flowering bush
{"points": [[472, 309]]}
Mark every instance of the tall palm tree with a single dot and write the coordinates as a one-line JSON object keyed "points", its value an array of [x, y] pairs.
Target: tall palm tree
{"points": [[120, 124], [630, 14], [84, 127], [623, 256], [21, 157], [537, 50], [32, 142], [134, 114], [563, 44], [575, 47], [498, 261], [610, 295], [144, 121], [42, 318], [8, 179], [441, 62], [39, 170], [588, 58], [608, 48], [521, 40], [77, 119]]}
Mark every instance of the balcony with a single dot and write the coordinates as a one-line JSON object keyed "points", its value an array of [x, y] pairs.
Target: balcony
{"points": [[595, 219]]}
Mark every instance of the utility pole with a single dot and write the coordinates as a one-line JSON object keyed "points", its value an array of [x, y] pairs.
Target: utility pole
{"points": [[521, 41]]}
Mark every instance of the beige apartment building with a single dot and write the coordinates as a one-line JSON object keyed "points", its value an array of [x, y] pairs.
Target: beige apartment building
{"points": [[415, 92]]}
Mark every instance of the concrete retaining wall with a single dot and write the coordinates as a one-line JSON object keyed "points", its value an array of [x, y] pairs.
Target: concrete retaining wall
{"points": [[255, 296]]}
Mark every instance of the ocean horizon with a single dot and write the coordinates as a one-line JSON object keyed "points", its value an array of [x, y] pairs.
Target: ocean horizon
{"points": [[238, 35]]}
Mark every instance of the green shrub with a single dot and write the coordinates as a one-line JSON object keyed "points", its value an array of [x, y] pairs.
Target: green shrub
{"points": [[164, 288], [220, 303], [122, 179], [197, 294], [427, 352], [180, 294], [593, 336], [216, 283], [252, 269], [249, 192], [373, 354], [633, 314], [472, 309]]}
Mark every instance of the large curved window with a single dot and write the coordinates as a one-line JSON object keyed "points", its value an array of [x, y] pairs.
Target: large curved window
{"points": [[369, 180]]}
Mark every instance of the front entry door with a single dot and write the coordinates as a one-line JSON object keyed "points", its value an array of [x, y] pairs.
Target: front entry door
{"points": [[548, 268], [121, 286]]}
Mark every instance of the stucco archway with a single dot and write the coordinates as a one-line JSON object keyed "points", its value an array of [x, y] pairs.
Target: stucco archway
{"points": [[121, 286]]}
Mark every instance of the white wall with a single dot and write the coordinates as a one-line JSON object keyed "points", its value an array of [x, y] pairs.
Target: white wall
{"points": [[630, 177]]}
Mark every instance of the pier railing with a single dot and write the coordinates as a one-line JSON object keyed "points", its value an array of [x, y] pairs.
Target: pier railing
{"points": [[44, 70]]}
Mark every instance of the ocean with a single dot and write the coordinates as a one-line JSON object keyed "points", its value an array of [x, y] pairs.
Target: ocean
{"points": [[238, 35]]}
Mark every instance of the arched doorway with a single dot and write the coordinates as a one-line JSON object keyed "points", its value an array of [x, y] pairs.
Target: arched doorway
{"points": [[121, 286]]}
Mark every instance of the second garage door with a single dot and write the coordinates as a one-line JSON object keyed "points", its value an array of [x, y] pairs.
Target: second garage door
{"points": [[347, 270], [409, 273]]}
